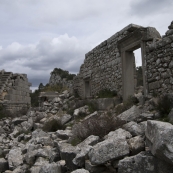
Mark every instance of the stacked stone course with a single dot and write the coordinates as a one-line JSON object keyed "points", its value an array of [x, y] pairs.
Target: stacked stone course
{"points": [[14, 91], [160, 63]]}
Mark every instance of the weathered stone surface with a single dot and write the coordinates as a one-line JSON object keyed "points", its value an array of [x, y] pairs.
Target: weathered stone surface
{"points": [[143, 162], [80, 171], [68, 153], [145, 116], [93, 168], [65, 118], [136, 144], [14, 91], [50, 168], [133, 128], [81, 110], [119, 133], [15, 158], [79, 160], [111, 148], [84, 147], [170, 116], [160, 139], [64, 134], [130, 115], [17, 121]]}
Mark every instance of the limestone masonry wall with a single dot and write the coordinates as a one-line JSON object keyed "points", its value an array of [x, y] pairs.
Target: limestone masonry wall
{"points": [[14, 91], [159, 60], [103, 65]]}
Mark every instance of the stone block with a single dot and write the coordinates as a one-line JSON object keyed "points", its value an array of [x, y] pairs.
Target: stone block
{"points": [[154, 85]]}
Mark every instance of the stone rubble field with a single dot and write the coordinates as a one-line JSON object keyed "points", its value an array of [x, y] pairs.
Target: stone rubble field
{"points": [[29, 144]]}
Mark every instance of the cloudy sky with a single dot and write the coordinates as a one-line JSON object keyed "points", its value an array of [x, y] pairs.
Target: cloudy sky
{"points": [[38, 35]]}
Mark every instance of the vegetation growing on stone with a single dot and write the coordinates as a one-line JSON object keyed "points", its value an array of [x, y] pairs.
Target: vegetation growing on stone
{"points": [[139, 76], [164, 106], [63, 73], [106, 93], [97, 125], [126, 105]]}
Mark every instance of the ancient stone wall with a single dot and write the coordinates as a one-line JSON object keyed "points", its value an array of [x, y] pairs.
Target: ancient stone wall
{"points": [[103, 66], [14, 91], [159, 60]]}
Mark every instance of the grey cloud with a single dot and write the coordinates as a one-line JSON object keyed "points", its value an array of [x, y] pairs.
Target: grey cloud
{"points": [[39, 59], [150, 7]]}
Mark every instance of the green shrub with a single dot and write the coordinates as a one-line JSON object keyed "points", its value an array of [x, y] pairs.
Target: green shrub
{"points": [[106, 93], [139, 76], [92, 107], [2, 112], [75, 140], [52, 126], [164, 105], [70, 111], [63, 73]]}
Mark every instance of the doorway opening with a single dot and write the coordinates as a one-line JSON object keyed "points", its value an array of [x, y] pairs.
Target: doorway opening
{"points": [[87, 88], [129, 77], [138, 69]]}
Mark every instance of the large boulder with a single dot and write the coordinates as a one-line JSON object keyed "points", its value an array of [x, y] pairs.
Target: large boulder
{"points": [[143, 162], [64, 134], [114, 147], [80, 171], [50, 168], [84, 147], [133, 128], [134, 114], [136, 145], [15, 158], [81, 110], [94, 168], [160, 139], [68, 153], [130, 115], [65, 118]]}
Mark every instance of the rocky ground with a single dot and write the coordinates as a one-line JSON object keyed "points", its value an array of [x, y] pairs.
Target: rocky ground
{"points": [[44, 141]]}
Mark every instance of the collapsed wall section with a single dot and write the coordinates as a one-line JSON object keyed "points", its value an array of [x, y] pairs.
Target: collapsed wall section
{"points": [[14, 91]]}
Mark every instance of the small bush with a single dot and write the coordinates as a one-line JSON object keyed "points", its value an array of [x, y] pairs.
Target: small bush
{"points": [[75, 140], [126, 105], [52, 126], [164, 105], [97, 125], [92, 107], [63, 73], [3, 112], [70, 111], [106, 93]]}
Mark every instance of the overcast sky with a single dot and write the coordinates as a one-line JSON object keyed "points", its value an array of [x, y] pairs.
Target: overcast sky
{"points": [[38, 35]]}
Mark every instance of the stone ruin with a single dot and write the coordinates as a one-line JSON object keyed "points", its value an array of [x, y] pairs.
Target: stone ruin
{"points": [[111, 64], [14, 91]]}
